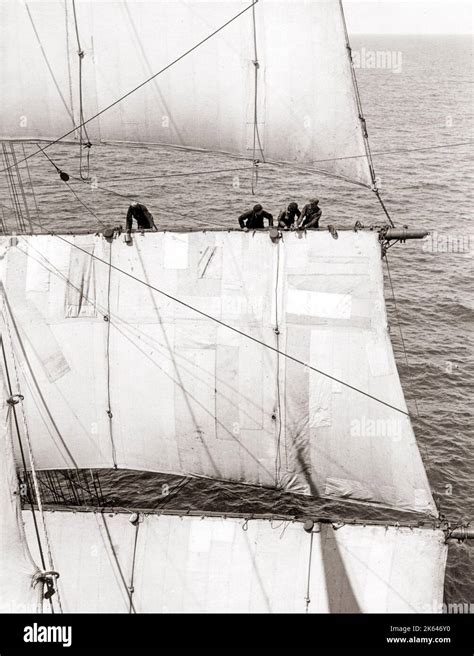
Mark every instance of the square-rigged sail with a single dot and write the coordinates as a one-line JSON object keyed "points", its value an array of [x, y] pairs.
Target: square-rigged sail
{"points": [[196, 381]]}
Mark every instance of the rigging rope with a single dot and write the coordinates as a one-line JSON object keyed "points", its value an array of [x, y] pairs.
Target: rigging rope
{"points": [[398, 320], [308, 579], [109, 409], [82, 125], [142, 84], [276, 330], [384, 208], [256, 133], [51, 72], [358, 98], [132, 575], [114, 554], [31, 183], [362, 118], [229, 327], [22, 454], [33, 470]]}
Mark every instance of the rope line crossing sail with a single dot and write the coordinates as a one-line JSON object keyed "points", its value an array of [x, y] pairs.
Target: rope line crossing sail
{"points": [[142, 84], [51, 574], [229, 327]]}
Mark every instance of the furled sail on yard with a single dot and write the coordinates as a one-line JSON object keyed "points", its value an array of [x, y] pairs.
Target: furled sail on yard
{"points": [[159, 387], [274, 84], [194, 564]]}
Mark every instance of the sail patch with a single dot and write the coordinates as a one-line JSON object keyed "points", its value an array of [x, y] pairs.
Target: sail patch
{"points": [[81, 288], [319, 304], [175, 247]]}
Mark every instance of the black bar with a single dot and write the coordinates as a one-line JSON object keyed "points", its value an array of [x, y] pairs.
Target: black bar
{"points": [[243, 634]]}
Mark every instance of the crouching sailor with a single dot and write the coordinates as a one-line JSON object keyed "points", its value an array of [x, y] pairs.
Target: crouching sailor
{"points": [[253, 219], [287, 218], [310, 215], [142, 215]]}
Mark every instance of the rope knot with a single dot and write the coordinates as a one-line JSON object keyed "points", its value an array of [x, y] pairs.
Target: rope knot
{"points": [[47, 578], [14, 399], [109, 413], [81, 53], [256, 63]]}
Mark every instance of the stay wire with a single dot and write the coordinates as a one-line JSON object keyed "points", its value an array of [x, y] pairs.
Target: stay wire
{"points": [[142, 84], [256, 134], [109, 409], [82, 127], [278, 390], [394, 298]]}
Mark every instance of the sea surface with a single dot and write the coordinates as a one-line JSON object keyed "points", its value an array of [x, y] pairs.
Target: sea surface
{"points": [[427, 101]]}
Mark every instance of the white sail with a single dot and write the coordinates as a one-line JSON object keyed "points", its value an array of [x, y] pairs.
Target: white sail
{"points": [[160, 387], [17, 569], [299, 106], [204, 565]]}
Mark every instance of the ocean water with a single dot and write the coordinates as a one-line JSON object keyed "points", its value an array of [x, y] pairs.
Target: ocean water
{"points": [[424, 99]]}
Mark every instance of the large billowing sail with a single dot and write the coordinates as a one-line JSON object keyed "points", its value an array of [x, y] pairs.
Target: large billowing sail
{"points": [[194, 564], [17, 569], [274, 84], [114, 373]]}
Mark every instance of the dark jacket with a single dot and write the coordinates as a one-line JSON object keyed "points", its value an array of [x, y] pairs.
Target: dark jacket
{"points": [[143, 217], [251, 221], [287, 217], [310, 216]]}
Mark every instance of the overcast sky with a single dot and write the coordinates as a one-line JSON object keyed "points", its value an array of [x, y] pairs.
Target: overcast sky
{"points": [[409, 16]]}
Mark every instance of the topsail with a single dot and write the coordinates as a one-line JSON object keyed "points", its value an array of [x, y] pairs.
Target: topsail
{"points": [[275, 84], [165, 385]]}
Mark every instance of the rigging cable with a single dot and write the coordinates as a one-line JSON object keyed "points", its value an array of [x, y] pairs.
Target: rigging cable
{"points": [[31, 183], [22, 453], [58, 89], [229, 327], [142, 84], [308, 580], [51, 570], [398, 320], [12, 190], [69, 75], [82, 126], [363, 123], [134, 555], [114, 554], [276, 330], [256, 133], [107, 319], [20, 185]]}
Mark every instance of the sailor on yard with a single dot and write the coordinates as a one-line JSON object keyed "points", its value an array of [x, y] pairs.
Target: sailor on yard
{"points": [[310, 215], [287, 218], [142, 215], [253, 219]]}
